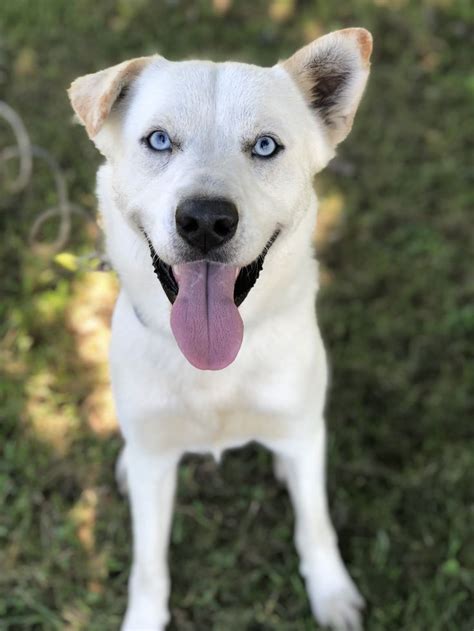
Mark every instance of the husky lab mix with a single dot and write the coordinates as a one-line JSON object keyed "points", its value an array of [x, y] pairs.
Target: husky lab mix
{"points": [[208, 207]]}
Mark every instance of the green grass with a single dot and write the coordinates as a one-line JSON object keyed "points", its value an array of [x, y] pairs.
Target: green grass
{"points": [[397, 316]]}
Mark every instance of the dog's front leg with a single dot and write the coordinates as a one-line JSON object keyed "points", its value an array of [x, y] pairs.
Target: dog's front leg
{"points": [[151, 481], [334, 598]]}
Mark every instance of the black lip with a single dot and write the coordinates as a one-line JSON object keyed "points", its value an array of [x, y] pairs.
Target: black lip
{"points": [[246, 279]]}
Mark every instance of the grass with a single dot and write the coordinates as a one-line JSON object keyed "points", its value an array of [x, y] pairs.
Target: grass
{"points": [[396, 311]]}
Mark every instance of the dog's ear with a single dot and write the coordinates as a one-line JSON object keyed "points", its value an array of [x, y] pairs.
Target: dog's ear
{"points": [[93, 95], [332, 72]]}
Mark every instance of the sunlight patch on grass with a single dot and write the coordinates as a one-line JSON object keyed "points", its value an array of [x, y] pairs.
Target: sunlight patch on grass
{"points": [[330, 216], [83, 515], [13, 365], [221, 7], [281, 10], [88, 317], [328, 229], [49, 304], [26, 63], [312, 29], [100, 411], [396, 4], [48, 414], [75, 618]]}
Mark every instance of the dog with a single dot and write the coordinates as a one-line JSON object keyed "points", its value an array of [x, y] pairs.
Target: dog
{"points": [[208, 208]]}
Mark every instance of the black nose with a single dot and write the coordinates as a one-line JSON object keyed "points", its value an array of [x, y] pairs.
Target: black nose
{"points": [[206, 223]]}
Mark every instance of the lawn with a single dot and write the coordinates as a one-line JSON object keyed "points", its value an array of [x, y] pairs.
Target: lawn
{"points": [[396, 309]]}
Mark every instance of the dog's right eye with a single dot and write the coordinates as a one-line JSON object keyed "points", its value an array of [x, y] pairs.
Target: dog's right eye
{"points": [[159, 141], [266, 147]]}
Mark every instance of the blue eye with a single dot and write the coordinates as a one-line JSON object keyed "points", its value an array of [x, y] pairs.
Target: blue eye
{"points": [[265, 147], [159, 141]]}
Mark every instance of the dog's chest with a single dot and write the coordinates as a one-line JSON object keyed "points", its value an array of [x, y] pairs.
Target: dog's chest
{"points": [[214, 431], [205, 419], [167, 404]]}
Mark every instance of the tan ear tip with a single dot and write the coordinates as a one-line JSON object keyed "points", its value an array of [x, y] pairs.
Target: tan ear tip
{"points": [[365, 41], [363, 38]]}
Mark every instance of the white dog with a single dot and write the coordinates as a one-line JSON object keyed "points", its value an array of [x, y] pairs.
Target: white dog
{"points": [[209, 211]]}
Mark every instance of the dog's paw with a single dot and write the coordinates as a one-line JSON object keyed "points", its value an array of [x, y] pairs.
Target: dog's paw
{"points": [[335, 601], [340, 610], [147, 600]]}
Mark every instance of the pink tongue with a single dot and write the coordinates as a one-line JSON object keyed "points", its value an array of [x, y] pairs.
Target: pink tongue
{"points": [[204, 319]]}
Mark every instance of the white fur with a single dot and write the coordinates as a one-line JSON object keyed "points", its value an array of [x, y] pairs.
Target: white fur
{"points": [[274, 391]]}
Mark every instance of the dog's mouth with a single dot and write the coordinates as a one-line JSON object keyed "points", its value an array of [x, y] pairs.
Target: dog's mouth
{"points": [[246, 278], [205, 319]]}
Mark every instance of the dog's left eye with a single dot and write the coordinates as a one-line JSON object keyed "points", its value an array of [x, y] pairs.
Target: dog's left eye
{"points": [[159, 141], [265, 147]]}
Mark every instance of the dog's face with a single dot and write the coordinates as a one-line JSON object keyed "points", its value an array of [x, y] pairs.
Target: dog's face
{"points": [[214, 162], [224, 140]]}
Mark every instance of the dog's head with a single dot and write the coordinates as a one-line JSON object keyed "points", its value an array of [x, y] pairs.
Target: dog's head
{"points": [[213, 163]]}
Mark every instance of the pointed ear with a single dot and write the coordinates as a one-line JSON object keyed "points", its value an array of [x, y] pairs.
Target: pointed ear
{"points": [[93, 95], [332, 72]]}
